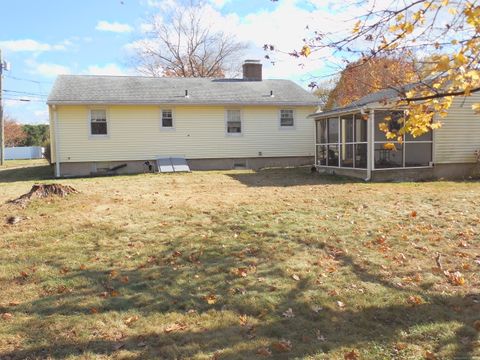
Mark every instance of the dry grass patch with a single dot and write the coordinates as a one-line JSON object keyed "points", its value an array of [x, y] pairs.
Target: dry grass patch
{"points": [[241, 264]]}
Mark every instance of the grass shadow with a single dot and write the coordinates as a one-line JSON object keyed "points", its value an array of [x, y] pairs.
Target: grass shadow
{"points": [[29, 173], [286, 177]]}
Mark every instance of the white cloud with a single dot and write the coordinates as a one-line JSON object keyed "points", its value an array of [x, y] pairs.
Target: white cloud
{"points": [[29, 45], [46, 69], [113, 27], [108, 69]]}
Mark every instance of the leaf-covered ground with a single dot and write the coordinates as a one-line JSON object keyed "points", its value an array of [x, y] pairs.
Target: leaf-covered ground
{"points": [[276, 264]]}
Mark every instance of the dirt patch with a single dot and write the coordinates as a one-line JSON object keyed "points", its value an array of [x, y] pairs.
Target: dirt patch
{"points": [[41, 191]]}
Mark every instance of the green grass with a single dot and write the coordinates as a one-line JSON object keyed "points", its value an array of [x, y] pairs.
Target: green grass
{"points": [[205, 265]]}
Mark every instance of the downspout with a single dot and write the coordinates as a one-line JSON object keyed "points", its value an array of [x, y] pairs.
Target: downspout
{"points": [[57, 142], [370, 144]]}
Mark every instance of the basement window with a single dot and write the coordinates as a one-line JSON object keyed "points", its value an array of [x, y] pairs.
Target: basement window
{"points": [[98, 122], [167, 119], [234, 122]]}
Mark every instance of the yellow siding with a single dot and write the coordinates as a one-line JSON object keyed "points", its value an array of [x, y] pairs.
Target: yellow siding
{"points": [[134, 133], [459, 136]]}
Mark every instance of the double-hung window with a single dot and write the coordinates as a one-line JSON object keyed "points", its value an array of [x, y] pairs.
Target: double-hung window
{"points": [[234, 122], [167, 119], [98, 122], [286, 118]]}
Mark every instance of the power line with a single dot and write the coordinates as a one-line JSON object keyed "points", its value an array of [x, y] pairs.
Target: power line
{"points": [[30, 80], [24, 92], [24, 100]]}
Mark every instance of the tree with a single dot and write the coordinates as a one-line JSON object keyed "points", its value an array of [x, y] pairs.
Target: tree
{"points": [[324, 91], [362, 78], [36, 135], [181, 43], [14, 134], [447, 29]]}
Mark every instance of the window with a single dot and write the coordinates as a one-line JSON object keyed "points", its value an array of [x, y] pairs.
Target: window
{"points": [[98, 122], [167, 119], [286, 118], [234, 122]]}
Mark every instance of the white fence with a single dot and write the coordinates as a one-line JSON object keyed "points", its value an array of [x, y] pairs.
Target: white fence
{"points": [[27, 152]]}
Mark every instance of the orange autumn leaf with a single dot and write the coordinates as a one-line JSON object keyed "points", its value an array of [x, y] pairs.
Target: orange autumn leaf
{"points": [[476, 325], [352, 355], [264, 352], [282, 346], [415, 300]]}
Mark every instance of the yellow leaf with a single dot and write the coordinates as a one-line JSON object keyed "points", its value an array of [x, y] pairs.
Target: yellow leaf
{"points": [[211, 299], [356, 28], [306, 51], [476, 108], [443, 63]]}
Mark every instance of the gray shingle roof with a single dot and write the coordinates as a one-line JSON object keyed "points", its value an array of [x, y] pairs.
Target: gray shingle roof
{"points": [[87, 89]]}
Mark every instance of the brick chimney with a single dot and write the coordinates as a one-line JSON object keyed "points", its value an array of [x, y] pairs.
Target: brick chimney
{"points": [[252, 70]]}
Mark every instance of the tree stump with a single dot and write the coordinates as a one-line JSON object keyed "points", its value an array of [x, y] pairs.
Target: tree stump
{"points": [[40, 191]]}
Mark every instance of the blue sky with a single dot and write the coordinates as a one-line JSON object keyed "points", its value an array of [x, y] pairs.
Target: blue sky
{"points": [[44, 38]]}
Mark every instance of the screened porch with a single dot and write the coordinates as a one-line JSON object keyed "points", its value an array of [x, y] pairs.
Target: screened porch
{"points": [[354, 141]]}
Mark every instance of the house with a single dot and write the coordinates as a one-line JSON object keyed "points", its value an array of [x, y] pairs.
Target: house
{"points": [[105, 122], [348, 142]]}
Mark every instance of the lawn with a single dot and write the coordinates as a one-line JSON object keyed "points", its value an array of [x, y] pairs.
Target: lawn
{"points": [[278, 264]]}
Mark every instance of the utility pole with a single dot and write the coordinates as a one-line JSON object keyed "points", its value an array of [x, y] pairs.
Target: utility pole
{"points": [[2, 125]]}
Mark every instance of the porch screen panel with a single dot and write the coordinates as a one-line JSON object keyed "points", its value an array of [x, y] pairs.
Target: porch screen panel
{"points": [[412, 152]]}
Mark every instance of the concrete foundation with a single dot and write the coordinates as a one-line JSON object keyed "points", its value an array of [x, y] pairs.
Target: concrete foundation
{"points": [[70, 169], [436, 172]]}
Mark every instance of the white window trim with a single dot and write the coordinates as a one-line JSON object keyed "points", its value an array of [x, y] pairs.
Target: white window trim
{"points": [[167, 128], [89, 123], [241, 122], [286, 127]]}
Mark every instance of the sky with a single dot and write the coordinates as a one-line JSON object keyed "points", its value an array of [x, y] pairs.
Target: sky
{"points": [[44, 38]]}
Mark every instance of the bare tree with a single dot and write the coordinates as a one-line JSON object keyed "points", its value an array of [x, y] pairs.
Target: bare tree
{"points": [[181, 43]]}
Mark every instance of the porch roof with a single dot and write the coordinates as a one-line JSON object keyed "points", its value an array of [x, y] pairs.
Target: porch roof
{"points": [[385, 98]]}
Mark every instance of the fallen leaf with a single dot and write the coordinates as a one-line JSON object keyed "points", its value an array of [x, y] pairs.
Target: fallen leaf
{"points": [[413, 214], [7, 316], [13, 303], [130, 320], [241, 272], [352, 355], [415, 300], [211, 299], [83, 267], [264, 352], [289, 314], [295, 277], [124, 279], [243, 320], [430, 356], [282, 346], [455, 278], [178, 326], [93, 310], [476, 325], [114, 293], [340, 304]]}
